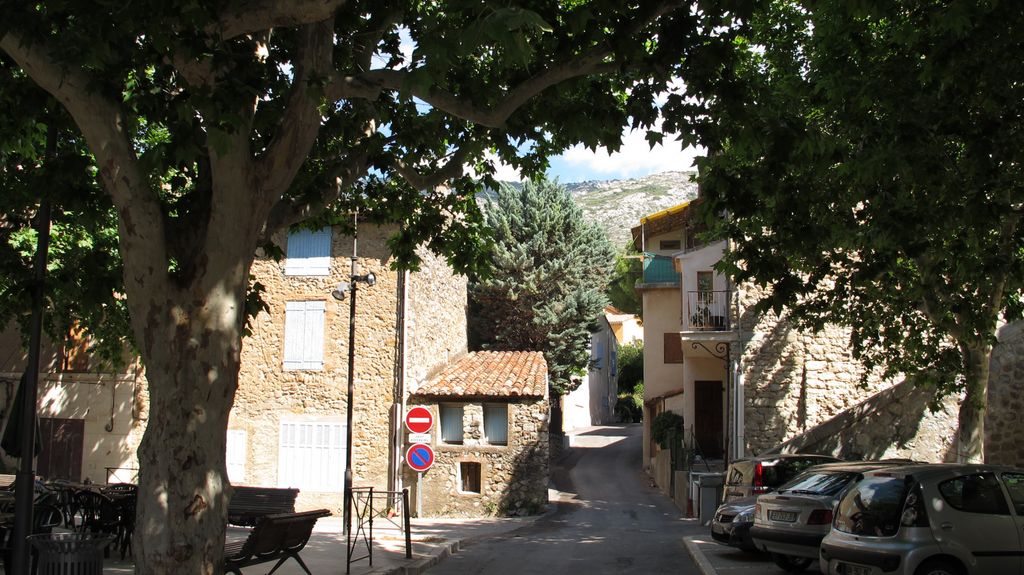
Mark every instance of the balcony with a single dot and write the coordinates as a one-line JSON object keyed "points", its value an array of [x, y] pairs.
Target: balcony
{"points": [[706, 311], [659, 270]]}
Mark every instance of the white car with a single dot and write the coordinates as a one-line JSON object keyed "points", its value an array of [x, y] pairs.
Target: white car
{"points": [[790, 522], [940, 519]]}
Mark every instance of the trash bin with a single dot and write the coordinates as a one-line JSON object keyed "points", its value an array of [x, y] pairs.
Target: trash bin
{"points": [[710, 487], [69, 553]]}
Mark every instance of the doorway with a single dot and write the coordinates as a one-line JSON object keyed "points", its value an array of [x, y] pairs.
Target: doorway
{"points": [[707, 406], [62, 442]]}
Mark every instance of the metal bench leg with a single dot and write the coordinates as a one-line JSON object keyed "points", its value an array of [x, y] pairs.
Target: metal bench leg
{"points": [[297, 559]]}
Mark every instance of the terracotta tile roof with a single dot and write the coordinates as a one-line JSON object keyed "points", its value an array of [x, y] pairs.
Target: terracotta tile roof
{"points": [[491, 374]]}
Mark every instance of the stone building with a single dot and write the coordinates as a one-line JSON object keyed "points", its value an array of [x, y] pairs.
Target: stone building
{"points": [[744, 382], [288, 426], [491, 442]]}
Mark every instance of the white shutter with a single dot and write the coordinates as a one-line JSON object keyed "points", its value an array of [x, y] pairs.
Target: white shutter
{"points": [[309, 253], [496, 424], [311, 456], [451, 424], [304, 335], [236, 455]]}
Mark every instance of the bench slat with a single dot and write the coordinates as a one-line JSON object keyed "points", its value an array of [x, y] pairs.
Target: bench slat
{"points": [[276, 536]]}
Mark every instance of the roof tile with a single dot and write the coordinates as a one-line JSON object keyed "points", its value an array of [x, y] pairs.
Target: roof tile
{"points": [[491, 374]]}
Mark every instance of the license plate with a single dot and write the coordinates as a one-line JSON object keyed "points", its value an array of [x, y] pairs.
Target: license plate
{"points": [[787, 516], [847, 569]]}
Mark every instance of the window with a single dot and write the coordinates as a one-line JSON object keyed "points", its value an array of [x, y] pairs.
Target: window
{"points": [[236, 455], [304, 335], [705, 287], [469, 477], [1015, 485], [451, 424], [496, 424], [673, 348], [977, 493], [311, 455], [669, 244], [309, 253], [598, 359]]}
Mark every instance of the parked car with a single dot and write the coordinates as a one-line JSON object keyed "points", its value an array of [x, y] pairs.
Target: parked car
{"points": [[791, 521], [940, 519], [745, 480], [732, 522], [757, 475]]}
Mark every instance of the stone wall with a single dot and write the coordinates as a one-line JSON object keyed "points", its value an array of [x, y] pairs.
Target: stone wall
{"points": [[1004, 426], [793, 380], [514, 477], [897, 422], [269, 395]]}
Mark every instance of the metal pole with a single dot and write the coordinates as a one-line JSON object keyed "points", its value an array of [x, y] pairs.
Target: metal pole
{"points": [[408, 526], [351, 382], [24, 482]]}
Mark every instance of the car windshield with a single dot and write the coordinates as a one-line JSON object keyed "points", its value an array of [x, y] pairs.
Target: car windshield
{"points": [[819, 483], [873, 507]]}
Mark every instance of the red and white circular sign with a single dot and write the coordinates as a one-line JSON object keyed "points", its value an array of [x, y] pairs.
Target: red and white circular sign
{"points": [[420, 457], [419, 420]]}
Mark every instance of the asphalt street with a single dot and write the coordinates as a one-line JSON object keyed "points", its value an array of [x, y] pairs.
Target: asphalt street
{"points": [[608, 518]]}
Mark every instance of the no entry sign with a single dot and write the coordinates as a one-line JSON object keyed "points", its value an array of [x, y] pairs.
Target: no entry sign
{"points": [[420, 457], [419, 420]]}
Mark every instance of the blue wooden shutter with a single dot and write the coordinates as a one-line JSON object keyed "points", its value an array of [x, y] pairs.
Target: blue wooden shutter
{"points": [[309, 253]]}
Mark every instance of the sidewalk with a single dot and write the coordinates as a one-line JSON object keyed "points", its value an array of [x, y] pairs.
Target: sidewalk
{"points": [[433, 540], [713, 558]]}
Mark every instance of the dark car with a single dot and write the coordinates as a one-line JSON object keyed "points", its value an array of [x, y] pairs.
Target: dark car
{"points": [[732, 522], [757, 475], [745, 480]]}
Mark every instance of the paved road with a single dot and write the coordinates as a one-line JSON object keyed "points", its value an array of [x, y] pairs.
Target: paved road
{"points": [[608, 519]]}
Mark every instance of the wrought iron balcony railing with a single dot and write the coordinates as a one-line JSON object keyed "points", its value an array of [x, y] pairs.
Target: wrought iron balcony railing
{"points": [[707, 311]]}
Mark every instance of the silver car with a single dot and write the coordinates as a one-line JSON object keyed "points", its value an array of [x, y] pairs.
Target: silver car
{"points": [[791, 522], [940, 519]]}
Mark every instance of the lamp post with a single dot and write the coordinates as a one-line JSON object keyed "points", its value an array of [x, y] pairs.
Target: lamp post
{"points": [[339, 294]]}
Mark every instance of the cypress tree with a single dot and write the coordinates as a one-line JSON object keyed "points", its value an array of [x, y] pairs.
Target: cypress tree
{"points": [[548, 276]]}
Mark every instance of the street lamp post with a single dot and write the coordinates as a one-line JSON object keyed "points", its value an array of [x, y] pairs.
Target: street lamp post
{"points": [[339, 294]]}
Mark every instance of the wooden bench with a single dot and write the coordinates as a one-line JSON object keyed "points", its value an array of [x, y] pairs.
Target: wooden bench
{"points": [[249, 504], [278, 536]]}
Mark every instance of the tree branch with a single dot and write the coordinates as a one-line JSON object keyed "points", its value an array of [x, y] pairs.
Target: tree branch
{"points": [[452, 169], [299, 124], [246, 17], [103, 125]]}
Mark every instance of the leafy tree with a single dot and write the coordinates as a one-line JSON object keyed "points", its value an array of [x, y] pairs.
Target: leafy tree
{"points": [[211, 126], [622, 291], [630, 404], [545, 288], [870, 155]]}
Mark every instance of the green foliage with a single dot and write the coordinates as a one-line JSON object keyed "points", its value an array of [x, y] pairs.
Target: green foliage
{"points": [[622, 291], [665, 426], [869, 155], [629, 406], [631, 367], [546, 286]]}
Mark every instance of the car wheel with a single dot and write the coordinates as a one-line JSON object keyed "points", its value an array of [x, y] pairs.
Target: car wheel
{"points": [[939, 567], [791, 563]]}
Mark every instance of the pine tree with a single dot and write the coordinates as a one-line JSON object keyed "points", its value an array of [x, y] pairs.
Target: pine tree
{"points": [[546, 288]]}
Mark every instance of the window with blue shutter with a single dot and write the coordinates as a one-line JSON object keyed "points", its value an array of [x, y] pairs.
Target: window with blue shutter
{"points": [[309, 253], [496, 424], [304, 335], [451, 424]]}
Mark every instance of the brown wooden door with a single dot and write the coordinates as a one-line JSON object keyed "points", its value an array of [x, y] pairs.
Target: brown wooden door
{"points": [[61, 456], [707, 405]]}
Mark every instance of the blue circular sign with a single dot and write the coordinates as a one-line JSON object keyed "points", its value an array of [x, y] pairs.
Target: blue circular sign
{"points": [[420, 457]]}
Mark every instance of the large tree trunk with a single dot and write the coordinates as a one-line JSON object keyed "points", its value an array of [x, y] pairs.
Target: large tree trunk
{"points": [[970, 444], [184, 491]]}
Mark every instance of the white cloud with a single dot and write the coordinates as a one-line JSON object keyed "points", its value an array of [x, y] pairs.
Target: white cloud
{"points": [[634, 158], [502, 172]]}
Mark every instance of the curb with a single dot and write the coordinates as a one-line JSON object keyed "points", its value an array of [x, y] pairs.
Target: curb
{"points": [[439, 552], [698, 556]]}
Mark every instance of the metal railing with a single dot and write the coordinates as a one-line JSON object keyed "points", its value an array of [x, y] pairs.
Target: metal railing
{"points": [[707, 311], [370, 504]]}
